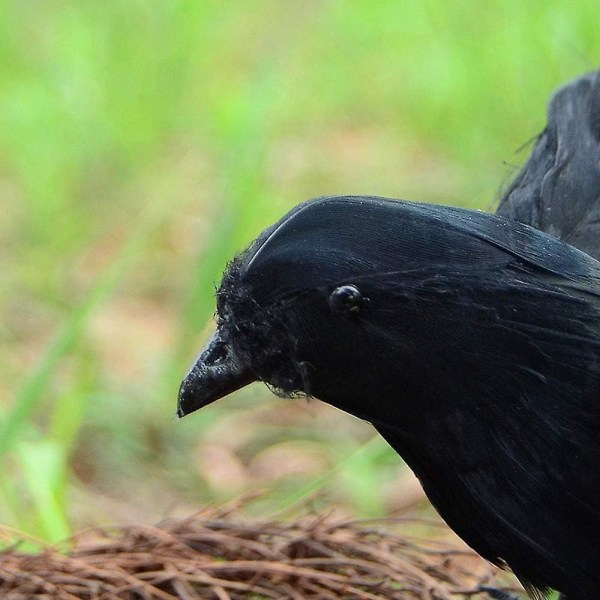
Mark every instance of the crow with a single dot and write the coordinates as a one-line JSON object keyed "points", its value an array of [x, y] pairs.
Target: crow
{"points": [[471, 342]]}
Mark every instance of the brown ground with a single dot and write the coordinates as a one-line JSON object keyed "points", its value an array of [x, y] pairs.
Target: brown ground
{"points": [[221, 556]]}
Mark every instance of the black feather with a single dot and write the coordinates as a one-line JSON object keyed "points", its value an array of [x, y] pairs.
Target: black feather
{"points": [[558, 191], [471, 342]]}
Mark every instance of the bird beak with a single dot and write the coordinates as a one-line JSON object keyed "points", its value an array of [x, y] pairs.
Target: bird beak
{"points": [[216, 373]]}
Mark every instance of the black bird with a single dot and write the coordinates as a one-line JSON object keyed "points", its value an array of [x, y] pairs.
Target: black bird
{"points": [[470, 341]]}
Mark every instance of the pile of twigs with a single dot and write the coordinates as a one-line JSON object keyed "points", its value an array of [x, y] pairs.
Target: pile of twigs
{"points": [[224, 558]]}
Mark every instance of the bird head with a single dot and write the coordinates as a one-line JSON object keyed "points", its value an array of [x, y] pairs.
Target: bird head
{"points": [[292, 307], [356, 301]]}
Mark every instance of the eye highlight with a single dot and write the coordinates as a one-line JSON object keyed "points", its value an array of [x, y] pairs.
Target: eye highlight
{"points": [[347, 301]]}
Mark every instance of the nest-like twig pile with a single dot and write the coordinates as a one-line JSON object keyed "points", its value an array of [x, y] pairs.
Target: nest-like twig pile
{"points": [[222, 558]]}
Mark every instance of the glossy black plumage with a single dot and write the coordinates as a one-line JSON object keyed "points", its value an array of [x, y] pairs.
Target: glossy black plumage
{"points": [[558, 191], [469, 340]]}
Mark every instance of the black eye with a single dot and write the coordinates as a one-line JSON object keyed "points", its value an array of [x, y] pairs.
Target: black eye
{"points": [[346, 301]]}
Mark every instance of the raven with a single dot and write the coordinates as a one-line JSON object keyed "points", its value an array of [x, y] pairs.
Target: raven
{"points": [[470, 341]]}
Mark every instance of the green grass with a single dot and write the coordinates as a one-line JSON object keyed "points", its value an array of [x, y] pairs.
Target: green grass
{"points": [[143, 144]]}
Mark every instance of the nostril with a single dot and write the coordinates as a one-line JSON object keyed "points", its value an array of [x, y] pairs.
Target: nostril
{"points": [[218, 354]]}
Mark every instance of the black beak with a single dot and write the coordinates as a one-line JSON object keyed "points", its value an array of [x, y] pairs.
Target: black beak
{"points": [[216, 373]]}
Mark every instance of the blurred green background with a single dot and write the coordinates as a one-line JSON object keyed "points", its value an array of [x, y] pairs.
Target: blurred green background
{"points": [[143, 143]]}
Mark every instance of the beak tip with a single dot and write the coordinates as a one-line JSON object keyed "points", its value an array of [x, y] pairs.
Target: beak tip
{"points": [[183, 399]]}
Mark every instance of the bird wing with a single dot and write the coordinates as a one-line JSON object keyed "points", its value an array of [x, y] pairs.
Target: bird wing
{"points": [[558, 189]]}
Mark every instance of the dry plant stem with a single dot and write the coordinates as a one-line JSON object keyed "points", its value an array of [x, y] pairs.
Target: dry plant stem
{"points": [[219, 557]]}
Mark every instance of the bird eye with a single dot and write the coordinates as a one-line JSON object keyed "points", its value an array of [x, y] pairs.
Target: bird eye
{"points": [[347, 301]]}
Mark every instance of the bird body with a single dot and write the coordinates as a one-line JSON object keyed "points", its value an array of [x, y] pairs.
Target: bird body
{"points": [[469, 340]]}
